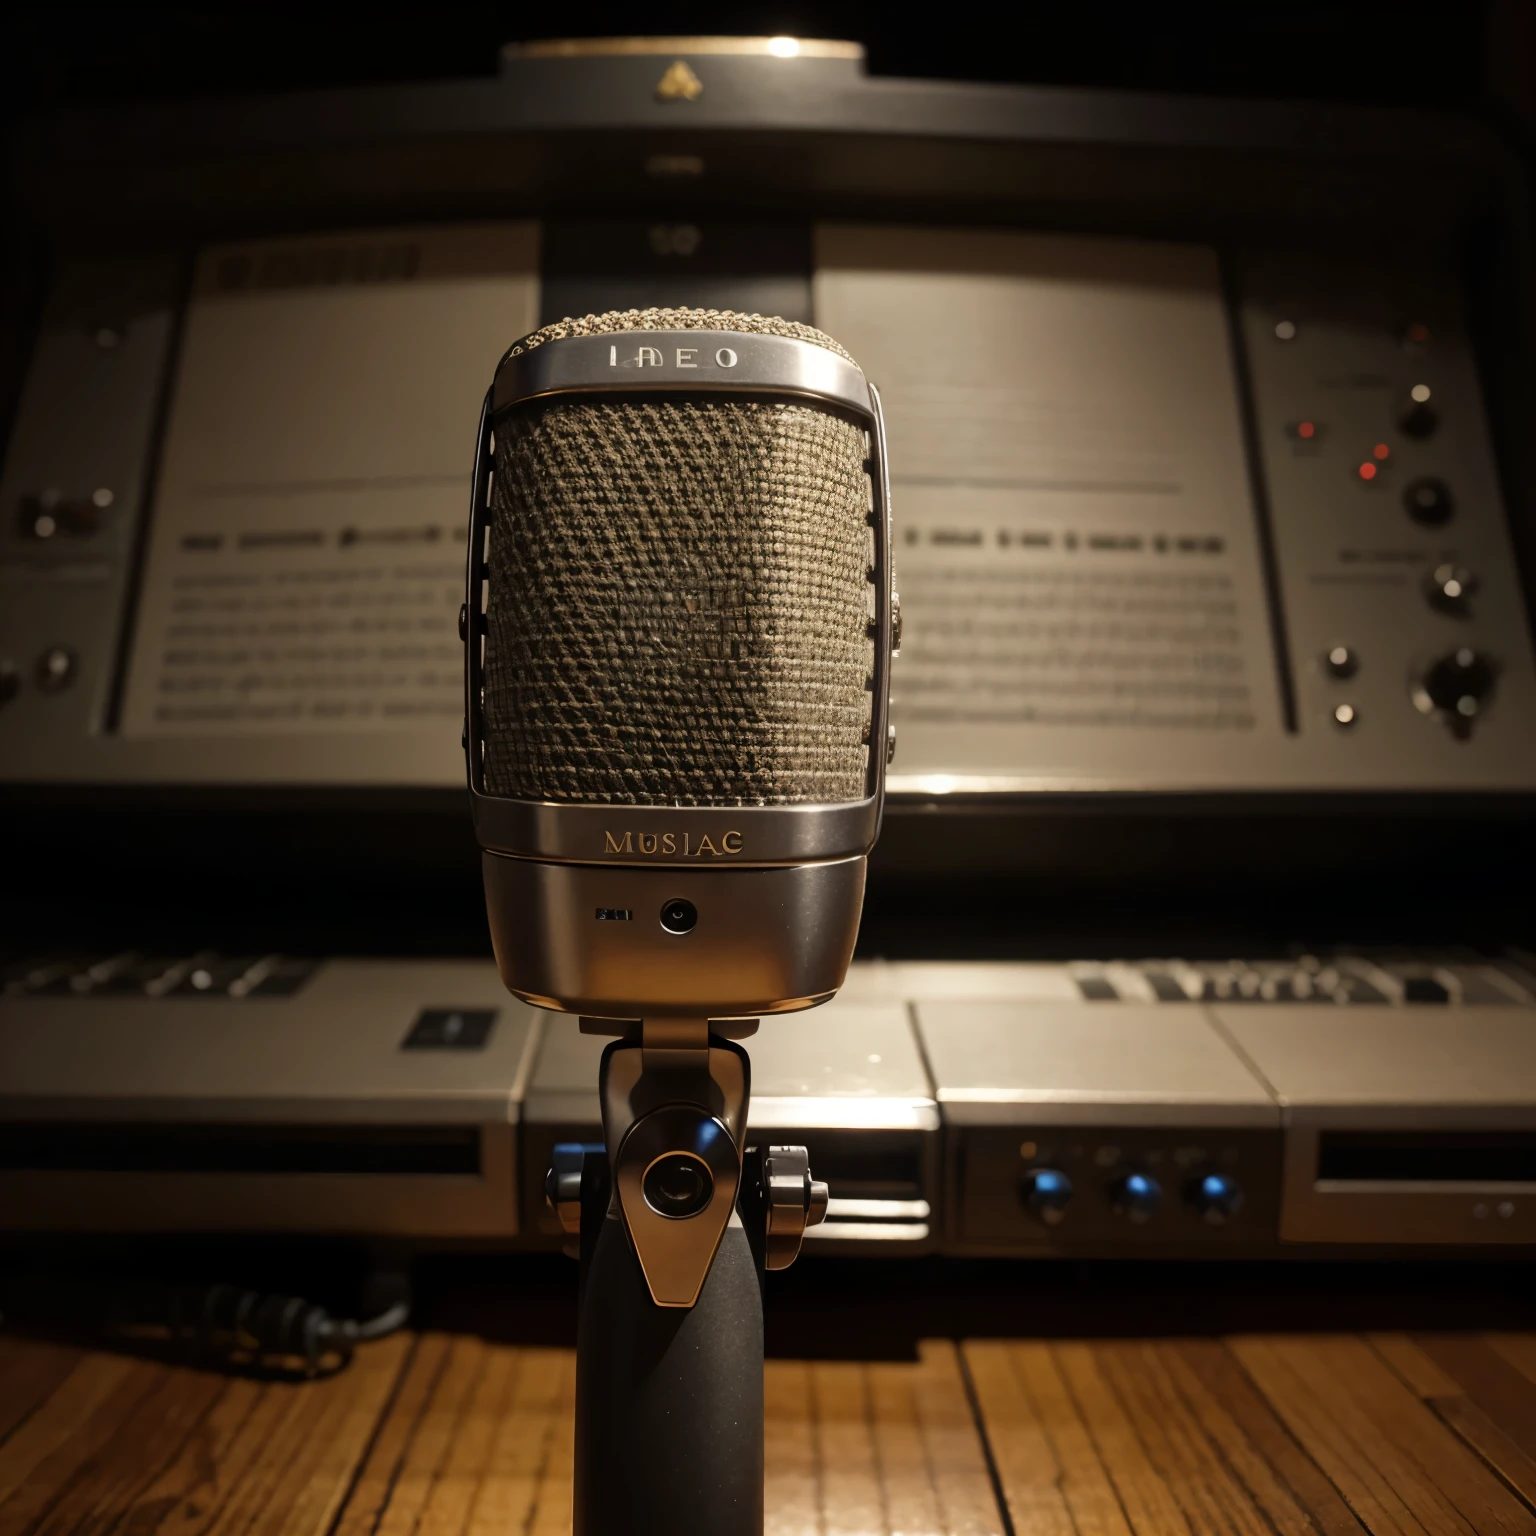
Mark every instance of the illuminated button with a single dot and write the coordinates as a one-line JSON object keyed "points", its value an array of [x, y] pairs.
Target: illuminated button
{"points": [[1217, 1197], [1285, 330], [1368, 470], [1381, 452], [1307, 431], [1345, 716], [1137, 1196], [1419, 417], [1428, 500], [1341, 662], [1047, 1193]]}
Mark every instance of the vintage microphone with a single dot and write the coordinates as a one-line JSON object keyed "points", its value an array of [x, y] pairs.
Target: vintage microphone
{"points": [[678, 625]]}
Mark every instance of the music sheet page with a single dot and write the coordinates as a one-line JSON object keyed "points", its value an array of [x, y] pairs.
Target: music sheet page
{"points": [[1076, 547], [306, 557]]}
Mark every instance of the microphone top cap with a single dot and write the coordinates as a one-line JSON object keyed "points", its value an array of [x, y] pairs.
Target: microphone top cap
{"points": [[620, 321]]}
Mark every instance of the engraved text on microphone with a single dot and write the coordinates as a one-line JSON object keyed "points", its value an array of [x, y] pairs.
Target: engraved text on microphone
{"points": [[673, 844], [686, 357]]}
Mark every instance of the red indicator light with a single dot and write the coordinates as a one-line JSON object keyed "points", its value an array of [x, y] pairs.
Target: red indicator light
{"points": [[1417, 333], [1381, 451], [1306, 429], [1367, 471]]}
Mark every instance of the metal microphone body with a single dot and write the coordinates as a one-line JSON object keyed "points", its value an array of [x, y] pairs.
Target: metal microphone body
{"points": [[678, 624], [679, 627]]}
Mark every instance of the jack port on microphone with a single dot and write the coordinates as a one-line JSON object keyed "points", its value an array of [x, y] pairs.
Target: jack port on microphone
{"points": [[679, 915]]}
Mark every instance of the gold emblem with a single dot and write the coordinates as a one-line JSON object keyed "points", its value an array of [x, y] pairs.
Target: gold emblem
{"points": [[679, 84]]}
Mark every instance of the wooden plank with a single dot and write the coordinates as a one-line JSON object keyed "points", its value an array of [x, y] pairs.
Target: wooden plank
{"points": [[533, 1429], [552, 1498], [431, 1437], [1040, 1442], [957, 1462], [182, 1499], [1145, 1497], [791, 1471], [1284, 1481], [1179, 1453], [31, 1370], [451, 1499], [1497, 1387], [851, 1502], [307, 1499], [1396, 1463], [1518, 1348], [375, 1480], [1452, 1398], [44, 1454], [879, 1447], [107, 1484]]}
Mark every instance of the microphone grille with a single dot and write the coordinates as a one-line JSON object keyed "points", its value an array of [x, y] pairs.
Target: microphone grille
{"points": [[679, 603]]}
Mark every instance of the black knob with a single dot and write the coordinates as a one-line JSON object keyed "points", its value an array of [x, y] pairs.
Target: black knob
{"points": [[1137, 1196], [1217, 1196], [1428, 501], [1449, 587], [1048, 1192], [1417, 416], [1457, 685]]}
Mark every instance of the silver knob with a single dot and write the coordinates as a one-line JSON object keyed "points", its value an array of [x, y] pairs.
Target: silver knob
{"points": [[795, 1201]]}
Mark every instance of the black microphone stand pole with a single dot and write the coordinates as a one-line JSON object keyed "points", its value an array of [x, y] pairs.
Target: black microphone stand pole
{"points": [[678, 1219]]}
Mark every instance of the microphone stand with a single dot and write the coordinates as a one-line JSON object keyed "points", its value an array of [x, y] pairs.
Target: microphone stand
{"points": [[678, 1220]]}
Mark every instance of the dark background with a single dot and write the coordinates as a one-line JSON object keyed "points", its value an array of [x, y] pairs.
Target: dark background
{"points": [[1445, 53]]}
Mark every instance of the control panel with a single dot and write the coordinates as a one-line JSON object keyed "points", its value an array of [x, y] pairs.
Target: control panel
{"points": [[1397, 592], [1093, 1188], [1164, 1108], [73, 499]]}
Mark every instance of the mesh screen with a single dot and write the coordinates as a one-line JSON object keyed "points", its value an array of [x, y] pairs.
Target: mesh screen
{"points": [[678, 603]]}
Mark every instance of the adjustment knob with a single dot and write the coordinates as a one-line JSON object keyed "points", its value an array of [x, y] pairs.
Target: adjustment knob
{"points": [[795, 1201], [1340, 662], [1457, 686], [1418, 417], [1137, 1196], [1047, 1193], [1217, 1197], [1428, 501], [1449, 587]]}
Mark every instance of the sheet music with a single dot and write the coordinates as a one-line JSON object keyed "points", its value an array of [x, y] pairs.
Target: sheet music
{"points": [[306, 562], [1076, 548]]}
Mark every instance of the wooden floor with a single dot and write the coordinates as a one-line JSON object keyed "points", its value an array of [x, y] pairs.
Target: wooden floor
{"points": [[441, 1435]]}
